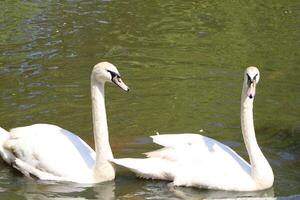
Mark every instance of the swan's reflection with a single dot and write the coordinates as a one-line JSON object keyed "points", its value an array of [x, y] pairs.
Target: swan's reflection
{"points": [[34, 189], [193, 193], [151, 189]]}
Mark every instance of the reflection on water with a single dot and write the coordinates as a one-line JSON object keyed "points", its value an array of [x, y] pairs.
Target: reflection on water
{"points": [[184, 63], [162, 190], [189, 193], [25, 188]]}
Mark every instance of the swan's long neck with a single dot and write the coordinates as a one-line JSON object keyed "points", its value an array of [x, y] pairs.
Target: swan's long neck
{"points": [[261, 171], [102, 146]]}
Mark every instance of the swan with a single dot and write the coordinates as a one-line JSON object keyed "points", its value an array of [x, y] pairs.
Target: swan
{"points": [[198, 161], [49, 152]]}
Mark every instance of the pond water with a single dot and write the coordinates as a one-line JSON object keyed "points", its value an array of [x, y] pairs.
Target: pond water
{"points": [[184, 63]]}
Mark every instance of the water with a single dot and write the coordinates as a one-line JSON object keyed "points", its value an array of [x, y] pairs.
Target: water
{"points": [[183, 62]]}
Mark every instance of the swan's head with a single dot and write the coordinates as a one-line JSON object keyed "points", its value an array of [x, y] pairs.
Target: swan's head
{"points": [[251, 78], [107, 72]]}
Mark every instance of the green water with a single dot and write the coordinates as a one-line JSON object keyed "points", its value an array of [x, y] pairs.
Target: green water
{"points": [[184, 63]]}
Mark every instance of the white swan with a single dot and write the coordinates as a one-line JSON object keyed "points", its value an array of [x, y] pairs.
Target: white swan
{"points": [[49, 152], [199, 161]]}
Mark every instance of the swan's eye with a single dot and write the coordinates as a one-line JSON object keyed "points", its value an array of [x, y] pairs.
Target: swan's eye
{"points": [[249, 81], [113, 74], [255, 77]]}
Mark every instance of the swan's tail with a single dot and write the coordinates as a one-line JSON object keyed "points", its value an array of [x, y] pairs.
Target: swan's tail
{"points": [[4, 135], [149, 168]]}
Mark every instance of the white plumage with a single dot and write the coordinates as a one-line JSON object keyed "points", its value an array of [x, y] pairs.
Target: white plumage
{"points": [[198, 161], [49, 152]]}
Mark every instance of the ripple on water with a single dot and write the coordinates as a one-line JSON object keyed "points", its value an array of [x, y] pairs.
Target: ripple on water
{"points": [[167, 48], [286, 156]]}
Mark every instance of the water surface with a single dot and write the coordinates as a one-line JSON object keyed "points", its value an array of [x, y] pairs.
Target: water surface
{"points": [[184, 63]]}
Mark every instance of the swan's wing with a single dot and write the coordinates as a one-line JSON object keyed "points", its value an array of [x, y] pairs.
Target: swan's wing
{"points": [[181, 146], [170, 140], [51, 149], [193, 148]]}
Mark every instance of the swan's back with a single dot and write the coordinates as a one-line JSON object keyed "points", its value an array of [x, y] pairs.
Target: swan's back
{"points": [[52, 150], [195, 148], [191, 160]]}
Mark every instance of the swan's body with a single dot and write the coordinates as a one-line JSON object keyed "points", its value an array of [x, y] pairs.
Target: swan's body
{"points": [[49, 152], [199, 161]]}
